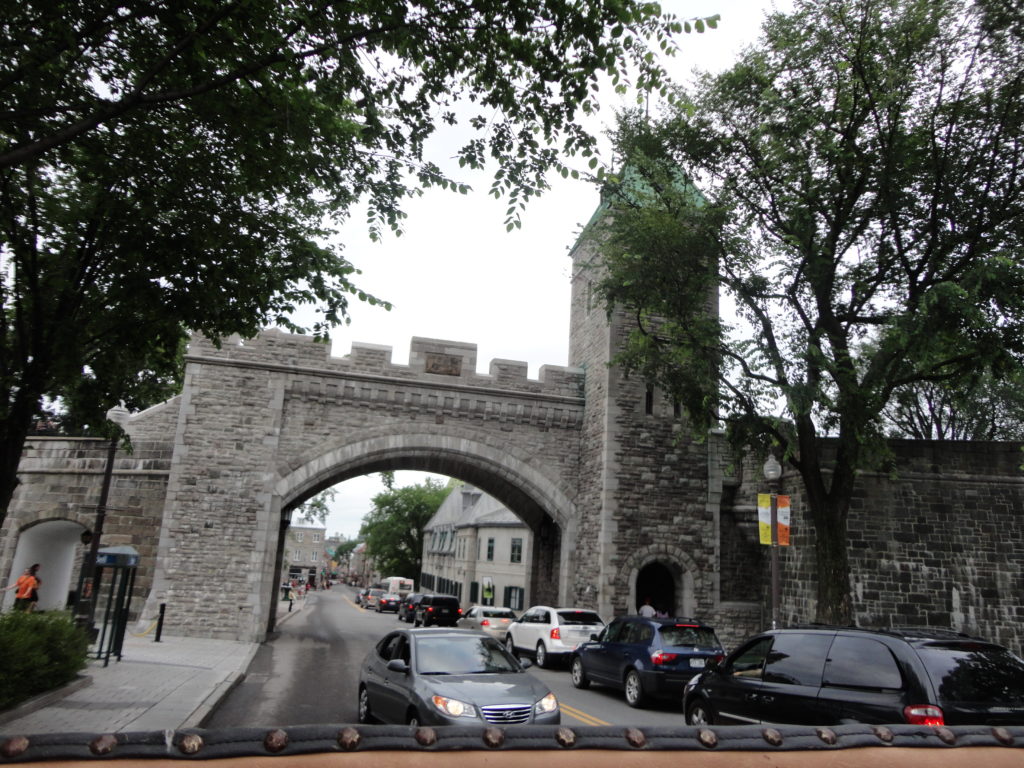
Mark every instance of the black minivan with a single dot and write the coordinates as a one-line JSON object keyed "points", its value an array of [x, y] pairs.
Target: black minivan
{"points": [[831, 676], [437, 611]]}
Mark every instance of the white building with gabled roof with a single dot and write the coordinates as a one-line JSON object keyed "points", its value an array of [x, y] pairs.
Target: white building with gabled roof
{"points": [[477, 549]]}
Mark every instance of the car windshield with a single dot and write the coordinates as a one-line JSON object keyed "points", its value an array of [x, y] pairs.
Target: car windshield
{"points": [[468, 655], [976, 672], [683, 636], [390, 596], [579, 617]]}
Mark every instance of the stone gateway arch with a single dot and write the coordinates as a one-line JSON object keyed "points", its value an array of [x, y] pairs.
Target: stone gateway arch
{"points": [[266, 423], [620, 496]]}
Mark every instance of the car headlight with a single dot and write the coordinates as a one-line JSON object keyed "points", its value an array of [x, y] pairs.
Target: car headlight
{"points": [[453, 707], [548, 704]]}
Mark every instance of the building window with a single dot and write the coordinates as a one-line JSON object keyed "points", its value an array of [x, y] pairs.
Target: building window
{"points": [[316, 538], [517, 551], [490, 549], [514, 597], [313, 556], [298, 535]]}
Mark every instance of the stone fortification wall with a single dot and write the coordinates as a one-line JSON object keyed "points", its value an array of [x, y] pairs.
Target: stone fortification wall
{"points": [[934, 541], [60, 480]]}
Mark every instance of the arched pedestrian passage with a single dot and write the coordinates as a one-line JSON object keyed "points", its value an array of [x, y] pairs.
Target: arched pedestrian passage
{"points": [[656, 582], [666, 575], [56, 545]]}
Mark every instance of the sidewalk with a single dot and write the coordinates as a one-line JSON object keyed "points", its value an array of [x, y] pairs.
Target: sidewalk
{"points": [[168, 685]]}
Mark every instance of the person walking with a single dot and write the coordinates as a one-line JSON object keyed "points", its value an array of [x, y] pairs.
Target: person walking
{"points": [[27, 586], [647, 610]]}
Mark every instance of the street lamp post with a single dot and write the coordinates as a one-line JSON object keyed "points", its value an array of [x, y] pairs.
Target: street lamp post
{"points": [[85, 605], [772, 473]]}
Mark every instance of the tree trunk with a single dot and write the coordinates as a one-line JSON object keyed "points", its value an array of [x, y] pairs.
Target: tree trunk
{"points": [[13, 432], [833, 566]]}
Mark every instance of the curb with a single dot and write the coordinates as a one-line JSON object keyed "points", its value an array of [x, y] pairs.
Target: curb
{"points": [[42, 700], [203, 712]]}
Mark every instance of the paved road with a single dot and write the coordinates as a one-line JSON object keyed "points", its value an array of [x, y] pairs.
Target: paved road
{"points": [[308, 673]]}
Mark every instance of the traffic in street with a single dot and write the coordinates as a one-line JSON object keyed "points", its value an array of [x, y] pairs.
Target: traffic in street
{"points": [[308, 672]]}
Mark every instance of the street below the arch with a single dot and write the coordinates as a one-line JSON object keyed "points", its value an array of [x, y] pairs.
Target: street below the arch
{"points": [[308, 672]]}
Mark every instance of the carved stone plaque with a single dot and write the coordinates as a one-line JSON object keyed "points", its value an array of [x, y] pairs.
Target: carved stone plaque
{"points": [[446, 365]]}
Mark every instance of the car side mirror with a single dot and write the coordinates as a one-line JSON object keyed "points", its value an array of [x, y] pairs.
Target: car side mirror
{"points": [[594, 636], [525, 663], [397, 665]]}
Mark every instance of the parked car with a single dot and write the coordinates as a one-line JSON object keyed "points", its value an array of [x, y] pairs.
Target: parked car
{"points": [[551, 634], [450, 677], [407, 608], [823, 676], [389, 601], [488, 618], [437, 611], [646, 657], [371, 597]]}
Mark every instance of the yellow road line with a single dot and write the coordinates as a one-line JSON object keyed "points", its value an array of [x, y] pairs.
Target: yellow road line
{"points": [[583, 717]]}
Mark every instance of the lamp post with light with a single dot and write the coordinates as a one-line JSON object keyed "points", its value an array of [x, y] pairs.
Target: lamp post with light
{"points": [[772, 472], [85, 605]]}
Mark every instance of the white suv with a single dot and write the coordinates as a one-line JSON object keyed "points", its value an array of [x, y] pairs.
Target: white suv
{"points": [[547, 633]]}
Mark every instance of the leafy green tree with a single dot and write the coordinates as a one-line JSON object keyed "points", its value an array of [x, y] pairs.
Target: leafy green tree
{"points": [[862, 171], [316, 508], [179, 167], [393, 529], [980, 407]]}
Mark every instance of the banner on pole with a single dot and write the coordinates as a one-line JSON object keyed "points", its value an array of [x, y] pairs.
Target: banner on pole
{"points": [[764, 518]]}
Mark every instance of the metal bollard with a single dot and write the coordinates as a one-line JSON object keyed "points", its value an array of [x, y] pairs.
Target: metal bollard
{"points": [[160, 622]]}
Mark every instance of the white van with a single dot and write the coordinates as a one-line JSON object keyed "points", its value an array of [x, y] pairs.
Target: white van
{"points": [[398, 585]]}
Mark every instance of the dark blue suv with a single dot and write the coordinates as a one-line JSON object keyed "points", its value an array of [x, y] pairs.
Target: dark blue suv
{"points": [[646, 658]]}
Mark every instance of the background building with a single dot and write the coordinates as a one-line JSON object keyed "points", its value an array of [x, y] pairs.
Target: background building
{"points": [[305, 558], [477, 549]]}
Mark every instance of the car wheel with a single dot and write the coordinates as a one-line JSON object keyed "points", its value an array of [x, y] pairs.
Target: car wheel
{"points": [[364, 714], [699, 713], [579, 676], [510, 644], [634, 689], [542, 656]]}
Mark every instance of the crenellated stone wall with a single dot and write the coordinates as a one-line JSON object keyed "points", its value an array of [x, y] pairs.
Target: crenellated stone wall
{"points": [[604, 471]]}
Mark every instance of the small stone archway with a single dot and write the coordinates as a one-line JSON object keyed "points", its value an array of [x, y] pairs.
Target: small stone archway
{"points": [[641, 571], [656, 582], [56, 545]]}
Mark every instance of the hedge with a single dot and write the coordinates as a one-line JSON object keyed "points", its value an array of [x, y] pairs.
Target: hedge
{"points": [[38, 652]]}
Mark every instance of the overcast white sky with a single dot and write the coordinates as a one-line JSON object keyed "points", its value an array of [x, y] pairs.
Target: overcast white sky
{"points": [[457, 275]]}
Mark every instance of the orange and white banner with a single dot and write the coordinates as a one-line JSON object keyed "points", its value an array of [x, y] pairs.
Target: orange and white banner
{"points": [[764, 518]]}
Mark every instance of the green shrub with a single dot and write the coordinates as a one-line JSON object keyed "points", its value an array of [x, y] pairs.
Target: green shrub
{"points": [[38, 652]]}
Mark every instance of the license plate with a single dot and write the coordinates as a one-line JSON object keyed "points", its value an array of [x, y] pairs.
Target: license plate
{"points": [[696, 662]]}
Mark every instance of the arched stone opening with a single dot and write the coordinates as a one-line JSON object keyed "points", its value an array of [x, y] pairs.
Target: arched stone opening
{"points": [[657, 583], [535, 498], [56, 545], [667, 572]]}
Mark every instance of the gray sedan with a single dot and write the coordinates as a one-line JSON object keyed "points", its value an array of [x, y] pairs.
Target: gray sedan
{"points": [[450, 677]]}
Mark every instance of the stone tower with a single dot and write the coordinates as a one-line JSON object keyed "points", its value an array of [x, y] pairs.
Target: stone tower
{"points": [[647, 507]]}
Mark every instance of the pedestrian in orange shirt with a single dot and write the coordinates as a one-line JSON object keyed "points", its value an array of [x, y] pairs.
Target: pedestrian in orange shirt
{"points": [[27, 587]]}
